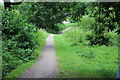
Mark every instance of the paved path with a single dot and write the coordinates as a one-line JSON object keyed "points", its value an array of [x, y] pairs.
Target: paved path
{"points": [[46, 66], [65, 30]]}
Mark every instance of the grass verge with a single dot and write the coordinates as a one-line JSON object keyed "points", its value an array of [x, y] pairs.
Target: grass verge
{"points": [[85, 61], [25, 66]]}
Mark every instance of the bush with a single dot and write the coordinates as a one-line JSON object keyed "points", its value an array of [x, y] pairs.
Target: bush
{"points": [[98, 40], [86, 23], [107, 38], [20, 40], [87, 33], [77, 36], [113, 38]]}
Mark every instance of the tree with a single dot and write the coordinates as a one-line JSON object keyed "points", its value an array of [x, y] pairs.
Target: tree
{"points": [[107, 19]]}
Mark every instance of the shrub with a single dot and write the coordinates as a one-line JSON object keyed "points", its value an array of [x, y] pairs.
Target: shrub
{"points": [[113, 37], [20, 40], [77, 36], [86, 23]]}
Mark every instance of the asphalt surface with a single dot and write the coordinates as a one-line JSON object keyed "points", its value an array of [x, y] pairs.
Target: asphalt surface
{"points": [[46, 66]]}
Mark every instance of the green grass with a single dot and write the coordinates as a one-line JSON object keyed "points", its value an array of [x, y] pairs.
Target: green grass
{"points": [[85, 61], [25, 66], [20, 69]]}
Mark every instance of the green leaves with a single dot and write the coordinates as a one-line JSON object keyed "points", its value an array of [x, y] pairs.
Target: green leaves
{"points": [[106, 20], [20, 39], [46, 15]]}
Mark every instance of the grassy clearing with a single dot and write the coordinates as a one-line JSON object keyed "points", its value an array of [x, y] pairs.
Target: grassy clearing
{"points": [[23, 67], [83, 61]]}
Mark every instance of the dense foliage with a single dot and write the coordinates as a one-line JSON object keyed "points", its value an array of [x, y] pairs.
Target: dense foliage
{"points": [[83, 32], [48, 14], [77, 11], [45, 15], [20, 30], [20, 39], [107, 20], [21, 34]]}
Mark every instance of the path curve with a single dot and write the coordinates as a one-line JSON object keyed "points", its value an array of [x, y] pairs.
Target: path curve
{"points": [[46, 66], [66, 29]]}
